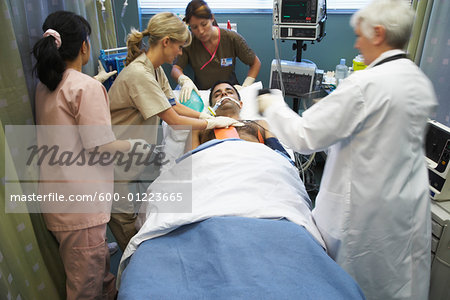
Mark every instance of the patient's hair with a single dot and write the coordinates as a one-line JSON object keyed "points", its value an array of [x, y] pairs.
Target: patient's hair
{"points": [[161, 25], [198, 9], [220, 82]]}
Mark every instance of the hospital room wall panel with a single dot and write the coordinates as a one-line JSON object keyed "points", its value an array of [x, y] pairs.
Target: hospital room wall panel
{"points": [[257, 30]]}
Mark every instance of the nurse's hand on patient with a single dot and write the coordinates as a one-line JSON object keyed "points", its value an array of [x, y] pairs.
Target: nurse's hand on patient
{"points": [[186, 88], [268, 98], [102, 75], [222, 122]]}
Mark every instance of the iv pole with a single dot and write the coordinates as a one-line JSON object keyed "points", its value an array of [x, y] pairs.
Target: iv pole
{"points": [[299, 46]]}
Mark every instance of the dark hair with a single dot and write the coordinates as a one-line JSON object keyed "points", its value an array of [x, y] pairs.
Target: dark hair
{"points": [[198, 9], [50, 60], [220, 82]]}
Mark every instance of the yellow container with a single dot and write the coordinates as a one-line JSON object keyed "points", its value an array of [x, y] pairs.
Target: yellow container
{"points": [[358, 65]]}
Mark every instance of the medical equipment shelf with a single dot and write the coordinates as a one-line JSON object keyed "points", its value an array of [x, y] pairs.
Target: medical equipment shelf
{"points": [[437, 147], [440, 250]]}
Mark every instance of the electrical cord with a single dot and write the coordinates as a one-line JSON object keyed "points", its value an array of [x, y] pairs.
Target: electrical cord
{"points": [[277, 53]]}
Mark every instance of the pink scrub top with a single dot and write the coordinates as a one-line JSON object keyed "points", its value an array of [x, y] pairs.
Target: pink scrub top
{"points": [[80, 106]]}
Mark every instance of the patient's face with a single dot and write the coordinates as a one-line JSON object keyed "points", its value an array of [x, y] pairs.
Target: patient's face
{"points": [[221, 90]]}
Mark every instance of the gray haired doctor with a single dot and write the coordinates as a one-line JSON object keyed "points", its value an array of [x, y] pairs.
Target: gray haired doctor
{"points": [[373, 207]]}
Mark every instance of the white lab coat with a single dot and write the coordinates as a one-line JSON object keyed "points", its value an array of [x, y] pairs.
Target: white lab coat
{"points": [[373, 207]]}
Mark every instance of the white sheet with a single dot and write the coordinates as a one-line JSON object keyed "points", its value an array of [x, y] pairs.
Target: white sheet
{"points": [[233, 178]]}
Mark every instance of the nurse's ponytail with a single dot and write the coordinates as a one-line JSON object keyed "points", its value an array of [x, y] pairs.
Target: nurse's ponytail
{"points": [[161, 25], [64, 34], [135, 45]]}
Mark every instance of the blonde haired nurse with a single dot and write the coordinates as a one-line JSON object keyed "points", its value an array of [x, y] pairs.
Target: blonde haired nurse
{"points": [[141, 95]]}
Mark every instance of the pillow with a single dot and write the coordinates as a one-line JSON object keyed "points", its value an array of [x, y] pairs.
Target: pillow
{"points": [[249, 95]]}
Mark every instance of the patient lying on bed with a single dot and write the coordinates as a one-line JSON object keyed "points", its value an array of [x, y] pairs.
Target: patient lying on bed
{"points": [[236, 224], [224, 178], [229, 104]]}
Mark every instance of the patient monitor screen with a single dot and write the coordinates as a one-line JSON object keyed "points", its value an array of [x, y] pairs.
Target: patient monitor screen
{"points": [[294, 11]]}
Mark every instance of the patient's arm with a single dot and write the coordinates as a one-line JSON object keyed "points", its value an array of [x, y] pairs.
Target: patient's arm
{"points": [[265, 125], [270, 139]]}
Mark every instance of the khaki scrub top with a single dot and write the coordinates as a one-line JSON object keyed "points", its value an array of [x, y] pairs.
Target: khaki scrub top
{"points": [[137, 96]]}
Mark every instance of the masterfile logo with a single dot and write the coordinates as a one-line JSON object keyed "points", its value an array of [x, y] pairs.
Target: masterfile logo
{"points": [[67, 169]]}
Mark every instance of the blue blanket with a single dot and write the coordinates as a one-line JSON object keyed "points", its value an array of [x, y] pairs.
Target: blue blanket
{"points": [[235, 258]]}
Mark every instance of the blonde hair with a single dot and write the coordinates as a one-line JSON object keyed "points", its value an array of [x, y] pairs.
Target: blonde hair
{"points": [[161, 25]]}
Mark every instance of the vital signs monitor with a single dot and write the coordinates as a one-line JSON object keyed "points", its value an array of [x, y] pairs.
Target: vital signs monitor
{"points": [[299, 19]]}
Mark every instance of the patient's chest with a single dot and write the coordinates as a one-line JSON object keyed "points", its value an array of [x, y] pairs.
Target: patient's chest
{"points": [[248, 132]]}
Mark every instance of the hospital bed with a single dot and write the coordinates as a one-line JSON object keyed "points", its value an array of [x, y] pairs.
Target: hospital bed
{"points": [[245, 233]]}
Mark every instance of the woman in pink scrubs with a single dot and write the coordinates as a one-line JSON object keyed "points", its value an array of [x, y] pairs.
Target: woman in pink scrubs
{"points": [[72, 111]]}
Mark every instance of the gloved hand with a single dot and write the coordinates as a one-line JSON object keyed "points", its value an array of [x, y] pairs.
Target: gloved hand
{"points": [[222, 122], [205, 116], [268, 98], [248, 81], [186, 88], [102, 75]]}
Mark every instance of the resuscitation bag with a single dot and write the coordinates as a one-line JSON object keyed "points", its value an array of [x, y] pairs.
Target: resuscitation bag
{"points": [[195, 102]]}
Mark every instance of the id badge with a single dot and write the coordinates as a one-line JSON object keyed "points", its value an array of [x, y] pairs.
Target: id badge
{"points": [[226, 62]]}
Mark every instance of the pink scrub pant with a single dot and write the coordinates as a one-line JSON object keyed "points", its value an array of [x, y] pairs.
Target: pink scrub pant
{"points": [[86, 262]]}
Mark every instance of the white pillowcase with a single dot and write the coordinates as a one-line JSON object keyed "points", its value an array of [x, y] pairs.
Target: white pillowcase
{"points": [[249, 96]]}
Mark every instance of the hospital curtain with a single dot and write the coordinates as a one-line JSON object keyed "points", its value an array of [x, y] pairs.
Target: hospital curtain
{"points": [[14, 101], [30, 267], [435, 58], [29, 264], [423, 12], [23, 273]]}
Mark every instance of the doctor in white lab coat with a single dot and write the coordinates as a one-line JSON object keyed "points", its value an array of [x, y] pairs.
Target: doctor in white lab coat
{"points": [[373, 207]]}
